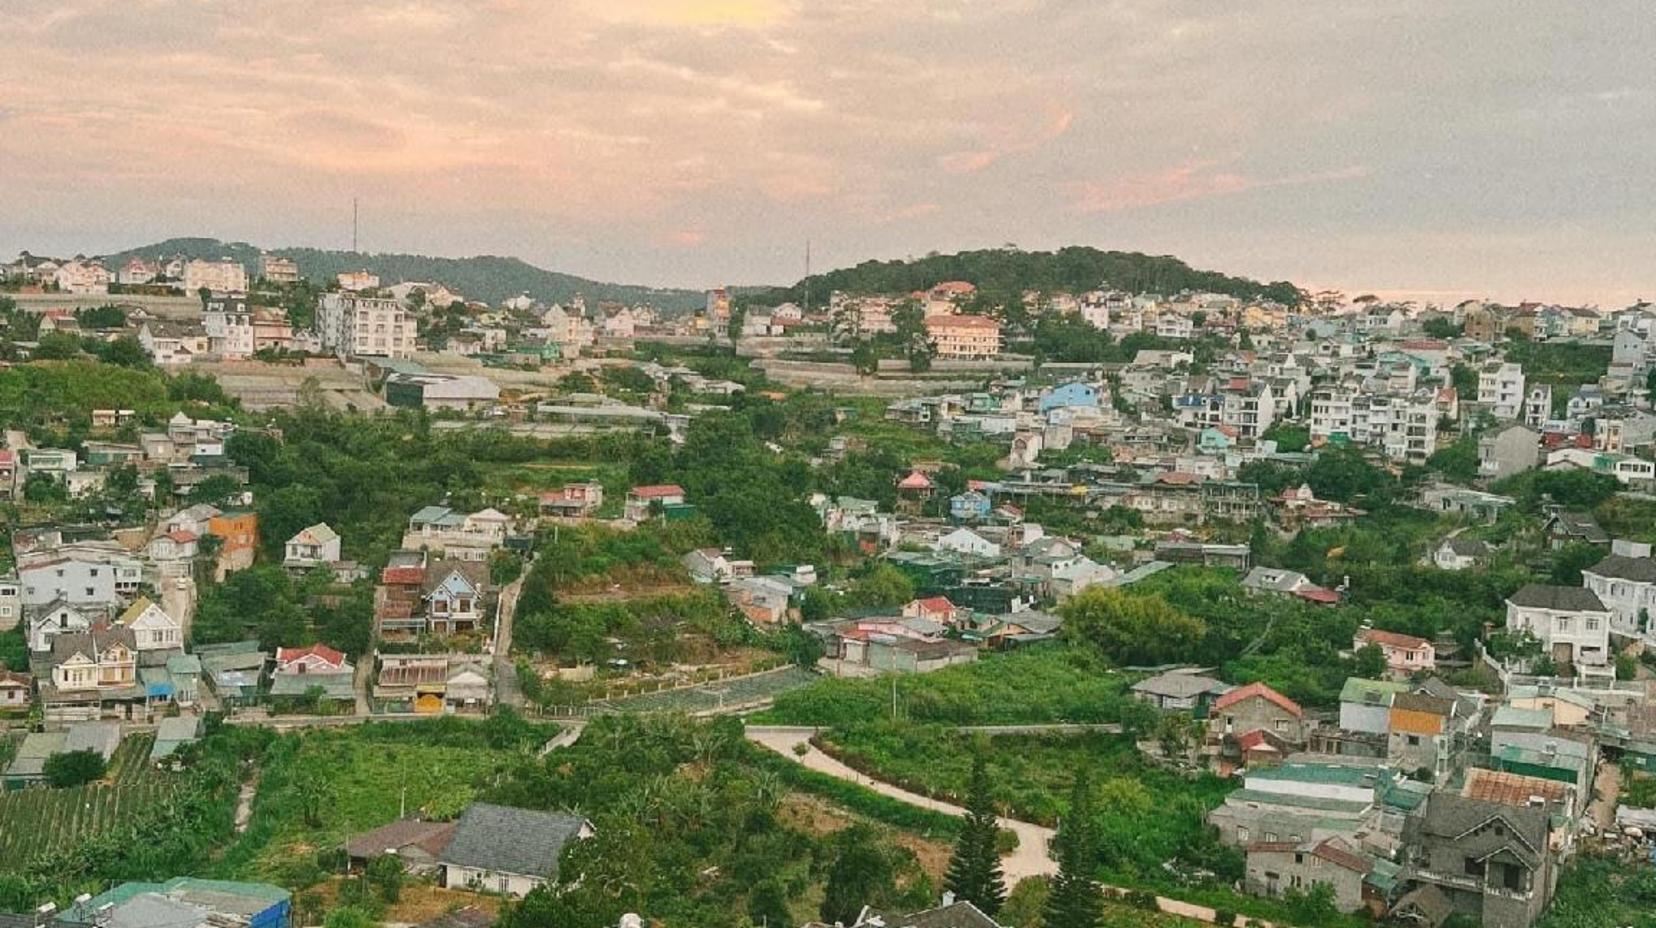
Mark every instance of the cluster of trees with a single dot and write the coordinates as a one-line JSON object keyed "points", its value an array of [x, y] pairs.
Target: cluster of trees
{"points": [[1003, 274], [263, 603], [688, 829]]}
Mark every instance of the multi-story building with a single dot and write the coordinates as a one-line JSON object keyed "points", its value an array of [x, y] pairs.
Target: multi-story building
{"points": [[353, 326], [271, 330], [229, 325], [1501, 388], [964, 336], [137, 271], [222, 276], [1538, 405], [1625, 582], [1571, 623], [1492, 862], [82, 277], [1247, 406], [278, 270], [1511, 450]]}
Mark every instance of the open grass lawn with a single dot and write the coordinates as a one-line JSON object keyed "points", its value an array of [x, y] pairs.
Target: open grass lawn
{"points": [[40, 821], [318, 788], [1047, 683]]}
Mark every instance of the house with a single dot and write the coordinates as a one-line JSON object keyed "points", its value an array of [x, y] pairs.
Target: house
{"points": [[1276, 580], [415, 843], [465, 536], [173, 733], [965, 541], [174, 549], [238, 534], [316, 546], [351, 325], [506, 850], [915, 489], [16, 690], [1460, 554], [171, 343], [100, 659], [1571, 622], [313, 659], [1275, 868], [185, 901], [1405, 654], [42, 623], [1491, 861], [1365, 705], [763, 600], [1180, 690], [1625, 582], [152, 628], [316, 669], [970, 506], [1070, 394], [92, 575], [1562, 528], [226, 275], [575, 500], [454, 596], [648, 502], [933, 609], [451, 392], [711, 565], [1530, 742], [1509, 451], [1420, 733], [1245, 710], [1306, 799]]}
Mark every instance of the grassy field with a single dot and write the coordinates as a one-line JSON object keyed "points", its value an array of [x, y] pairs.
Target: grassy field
{"points": [[1048, 683], [719, 693], [36, 822], [318, 788]]}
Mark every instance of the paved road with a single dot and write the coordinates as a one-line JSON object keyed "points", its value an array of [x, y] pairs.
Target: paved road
{"points": [[1031, 858]]}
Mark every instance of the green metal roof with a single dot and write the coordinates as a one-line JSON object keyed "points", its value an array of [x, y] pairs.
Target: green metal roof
{"points": [[1338, 774], [1310, 803], [1357, 688], [1514, 717]]}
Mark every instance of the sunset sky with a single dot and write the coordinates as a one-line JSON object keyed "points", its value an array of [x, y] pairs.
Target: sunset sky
{"points": [[1500, 148]]}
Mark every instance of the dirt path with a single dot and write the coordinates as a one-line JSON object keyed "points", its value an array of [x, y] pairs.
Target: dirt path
{"points": [[244, 803], [507, 690], [1606, 789]]}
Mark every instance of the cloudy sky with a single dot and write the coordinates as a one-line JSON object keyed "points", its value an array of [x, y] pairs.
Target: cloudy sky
{"points": [[1502, 148]]}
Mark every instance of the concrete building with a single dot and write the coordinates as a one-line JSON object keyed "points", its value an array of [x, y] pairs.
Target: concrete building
{"points": [[222, 276], [964, 336], [1509, 451], [1571, 623], [1501, 388], [353, 326]]}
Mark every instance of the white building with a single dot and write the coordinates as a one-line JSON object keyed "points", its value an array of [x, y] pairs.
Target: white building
{"points": [[82, 277], [152, 628], [316, 546], [1571, 622], [77, 575], [354, 326], [1626, 583], [278, 270], [1501, 388], [358, 280], [228, 321], [222, 276]]}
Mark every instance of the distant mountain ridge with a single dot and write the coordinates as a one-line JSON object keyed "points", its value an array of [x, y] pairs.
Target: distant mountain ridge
{"points": [[490, 278], [1004, 273]]}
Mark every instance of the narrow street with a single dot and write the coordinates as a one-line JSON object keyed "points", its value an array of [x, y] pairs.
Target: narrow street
{"points": [[507, 690]]}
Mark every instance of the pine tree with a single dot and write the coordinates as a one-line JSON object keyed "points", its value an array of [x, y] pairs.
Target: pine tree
{"points": [[974, 873], [1076, 900]]}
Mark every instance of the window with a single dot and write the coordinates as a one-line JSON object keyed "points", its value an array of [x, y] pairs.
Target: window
{"points": [[1270, 836], [1242, 833], [1472, 867], [1592, 623], [1414, 741]]}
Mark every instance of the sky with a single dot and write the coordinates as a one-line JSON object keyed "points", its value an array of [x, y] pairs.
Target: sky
{"points": [[1416, 148]]}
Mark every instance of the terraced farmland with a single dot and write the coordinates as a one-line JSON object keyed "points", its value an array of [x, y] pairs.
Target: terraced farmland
{"points": [[37, 822]]}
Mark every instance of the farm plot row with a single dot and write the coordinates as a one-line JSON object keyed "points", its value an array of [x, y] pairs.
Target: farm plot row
{"points": [[38, 822]]}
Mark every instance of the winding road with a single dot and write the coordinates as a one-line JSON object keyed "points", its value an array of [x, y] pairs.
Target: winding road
{"points": [[1032, 856]]}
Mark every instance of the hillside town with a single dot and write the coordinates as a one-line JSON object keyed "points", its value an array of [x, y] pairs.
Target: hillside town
{"points": [[1359, 591]]}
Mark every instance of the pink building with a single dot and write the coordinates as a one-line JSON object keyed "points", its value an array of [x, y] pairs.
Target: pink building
{"points": [[1405, 654]]}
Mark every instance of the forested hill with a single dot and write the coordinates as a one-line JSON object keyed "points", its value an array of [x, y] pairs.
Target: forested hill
{"points": [[1004, 273], [486, 277]]}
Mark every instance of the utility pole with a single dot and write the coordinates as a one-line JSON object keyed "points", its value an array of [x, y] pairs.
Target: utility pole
{"points": [[894, 697], [807, 276], [353, 224]]}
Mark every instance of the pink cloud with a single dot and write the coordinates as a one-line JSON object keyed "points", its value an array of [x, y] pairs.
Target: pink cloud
{"points": [[1190, 181], [1011, 142], [683, 238]]}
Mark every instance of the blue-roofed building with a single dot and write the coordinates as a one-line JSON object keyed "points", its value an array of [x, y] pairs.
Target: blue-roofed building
{"points": [[186, 901], [1074, 393], [970, 506]]}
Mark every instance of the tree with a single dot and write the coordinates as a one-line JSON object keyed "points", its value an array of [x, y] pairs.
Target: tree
{"points": [[1369, 662], [865, 358], [1465, 381], [861, 875], [1570, 560], [974, 872], [909, 322], [1076, 900], [73, 768], [385, 873], [768, 905], [1129, 628]]}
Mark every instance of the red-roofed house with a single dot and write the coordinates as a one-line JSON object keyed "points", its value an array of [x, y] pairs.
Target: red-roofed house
{"points": [[1405, 654], [8, 473], [643, 502], [933, 608], [316, 658], [574, 501], [1248, 709]]}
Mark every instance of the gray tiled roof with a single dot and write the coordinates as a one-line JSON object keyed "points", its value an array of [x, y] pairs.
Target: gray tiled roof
{"points": [[1560, 598], [502, 839], [1638, 569]]}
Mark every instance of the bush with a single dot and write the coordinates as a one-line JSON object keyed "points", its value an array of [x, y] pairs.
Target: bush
{"points": [[73, 768]]}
